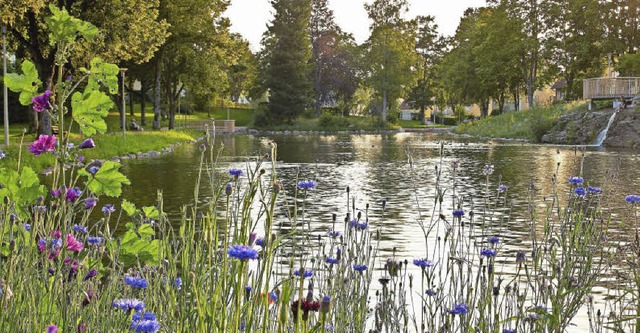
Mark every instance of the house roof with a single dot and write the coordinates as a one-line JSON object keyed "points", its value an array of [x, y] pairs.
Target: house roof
{"points": [[559, 85]]}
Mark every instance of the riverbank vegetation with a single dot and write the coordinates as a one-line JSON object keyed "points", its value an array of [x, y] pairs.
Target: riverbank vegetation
{"points": [[527, 125]]}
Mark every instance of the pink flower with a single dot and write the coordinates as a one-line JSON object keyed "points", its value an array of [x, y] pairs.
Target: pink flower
{"points": [[41, 102], [44, 144], [73, 244]]}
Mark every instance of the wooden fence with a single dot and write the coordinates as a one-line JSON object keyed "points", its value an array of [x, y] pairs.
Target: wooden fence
{"points": [[611, 87]]}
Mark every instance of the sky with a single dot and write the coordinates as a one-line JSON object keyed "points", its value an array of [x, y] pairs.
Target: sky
{"points": [[250, 17]]}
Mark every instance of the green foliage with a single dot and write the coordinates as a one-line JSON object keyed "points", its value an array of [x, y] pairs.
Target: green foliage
{"points": [[89, 109], [22, 189], [539, 125], [66, 28], [629, 64], [107, 181], [137, 244], [102, 74], [327, 121], [26, 84]]}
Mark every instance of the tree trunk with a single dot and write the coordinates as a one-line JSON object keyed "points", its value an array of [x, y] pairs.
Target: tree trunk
{"points": [[143, 100], [156, 95], [172, 105], [384, 106], [131, 96], [121, 92], [484, 108]]}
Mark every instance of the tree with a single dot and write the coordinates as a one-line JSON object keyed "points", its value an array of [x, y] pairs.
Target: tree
{"points": [[390, 50], [288, 55], [429, 47], [324, 34]]}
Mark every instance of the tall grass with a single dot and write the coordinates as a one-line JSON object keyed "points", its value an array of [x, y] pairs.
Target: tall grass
{"points": [[198, 279]]}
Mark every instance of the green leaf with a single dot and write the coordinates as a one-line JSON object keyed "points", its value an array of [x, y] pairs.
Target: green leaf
{"points": [[89, 109], [146, 231], [23, 189], [26, 84], [102, 74], [129, 207], [151, 212], [66, 28], [107, 181]]}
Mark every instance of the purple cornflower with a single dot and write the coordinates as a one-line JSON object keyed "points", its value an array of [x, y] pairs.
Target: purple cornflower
{"points": [[90, 203], [493, 240], [55, 193], [44, 144], [235, 172], [91, 274], [520, 256], [87, 144], [52, 328], [260, 241], [359, 268], [73, 244], [458, 213], [129, 304], [108, 209], [431, 292], [145, 322], [306, 184], [488, 253], [80, 159], [502, 188], [41, 103], [332, 261], [594, 190], [242, 252], [580, 191], [79, 228], [305, 274], [423, 263], [2, 154], [459, 309], [576, 180], [136, 282], [72, 194], [94, 240]]}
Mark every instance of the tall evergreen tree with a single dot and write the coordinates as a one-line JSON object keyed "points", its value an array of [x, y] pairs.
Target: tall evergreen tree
{"points": [[287, 76], [324, 34]]}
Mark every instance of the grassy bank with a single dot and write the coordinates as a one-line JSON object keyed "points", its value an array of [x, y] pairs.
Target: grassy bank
{"points": [[528, 124]]}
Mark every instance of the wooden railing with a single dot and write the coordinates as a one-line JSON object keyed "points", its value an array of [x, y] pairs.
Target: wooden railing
{"points": [[610, 87]]}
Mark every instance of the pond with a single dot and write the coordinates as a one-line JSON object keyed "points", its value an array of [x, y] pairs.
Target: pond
{"points": [[377, 167]]}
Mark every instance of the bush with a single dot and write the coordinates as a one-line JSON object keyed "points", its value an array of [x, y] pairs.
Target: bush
{"points": [[445, 120], [328, 121], [540, 125]]}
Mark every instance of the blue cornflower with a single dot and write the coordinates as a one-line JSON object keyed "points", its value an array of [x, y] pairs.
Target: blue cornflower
{"points": [[248, 289], [508, 331], [423, 263], [580, 191], [307, 184], [273, 296], [488, 253], [520, 257], [128, 304], [459, 309], [594, 190], [90, 203], [108, 209], [305, 274], [79, 228], [145, 322], [235, 172], [493, 240], [458, 213], [332, 261], [576, 180], [502, 188], [260, 241], [56, 243], [358, 225], [632, 198], [2, 154], [228, 189], [360, 268], [27, 227], [242, 252], [94, 169], [334, 234], [94, 240], [178, 283], [136, 282], [431, 292]]}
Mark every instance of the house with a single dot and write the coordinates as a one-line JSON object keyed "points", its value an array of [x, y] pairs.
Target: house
{"points": [[559, 90]]}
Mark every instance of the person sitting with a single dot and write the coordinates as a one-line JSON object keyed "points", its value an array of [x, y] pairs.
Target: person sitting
{"points": [[134, 126]]}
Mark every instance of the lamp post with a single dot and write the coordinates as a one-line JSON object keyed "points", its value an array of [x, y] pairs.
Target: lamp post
{"points": [[4, 85], [124, 113]]}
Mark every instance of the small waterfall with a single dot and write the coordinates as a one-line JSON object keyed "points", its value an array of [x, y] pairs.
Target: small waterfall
{"points": [[603, 134]]}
